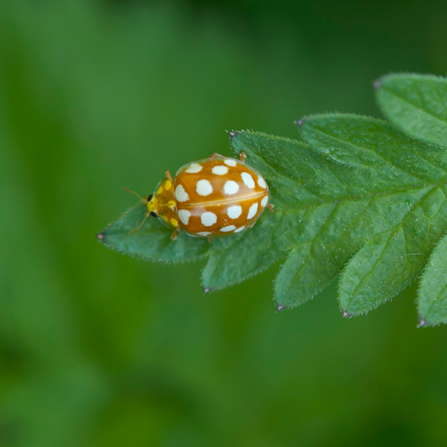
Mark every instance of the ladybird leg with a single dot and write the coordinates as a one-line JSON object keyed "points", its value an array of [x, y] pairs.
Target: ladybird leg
{"points": [[209, 240], [175, 233], [242, 157], [169, 176], [271, 207]]}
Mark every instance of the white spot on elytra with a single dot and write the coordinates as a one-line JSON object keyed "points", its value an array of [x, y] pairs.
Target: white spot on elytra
{"points": [[231, 187], [204, 188], [228, 229], [208, 219], [219, 170], [184, 216], [193, 168], [253, 210], [264, 201], [239, 229], [248, 180], [234, 211], [180, 194], [261, 183], [203, 233], [230, 162]]}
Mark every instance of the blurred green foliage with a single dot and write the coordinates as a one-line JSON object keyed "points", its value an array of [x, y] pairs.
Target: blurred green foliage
{"points": [[97, 349]]}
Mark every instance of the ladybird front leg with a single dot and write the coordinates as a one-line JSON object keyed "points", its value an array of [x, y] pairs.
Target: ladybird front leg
{"points": [[216, 155], [242, 157], [271, 207], [175, 233]]}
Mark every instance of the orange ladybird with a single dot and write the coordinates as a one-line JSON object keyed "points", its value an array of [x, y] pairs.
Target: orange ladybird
{"points": [[209, 198]]}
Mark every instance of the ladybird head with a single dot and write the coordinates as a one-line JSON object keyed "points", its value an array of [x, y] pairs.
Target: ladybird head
{"points": [[162, 203], [150, 203]]}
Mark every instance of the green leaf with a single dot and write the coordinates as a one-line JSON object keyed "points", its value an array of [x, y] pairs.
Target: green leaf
{"points": [[361, 286], [417, 104], [377, 198], [432, 301], [390, 261], [355, 197]]}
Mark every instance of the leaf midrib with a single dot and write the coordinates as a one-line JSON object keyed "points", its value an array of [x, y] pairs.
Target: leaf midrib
{"points": [[364, 196]]}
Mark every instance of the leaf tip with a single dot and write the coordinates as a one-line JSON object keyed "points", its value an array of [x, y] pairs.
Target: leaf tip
{"points": [[300, 122], [207, 290], [422, 323], [100, 236], [377, 84], [279, 308], [233, 133], [346, 314]]}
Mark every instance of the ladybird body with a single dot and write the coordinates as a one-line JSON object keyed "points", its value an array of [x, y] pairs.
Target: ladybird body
{"points": [[210, 198]]}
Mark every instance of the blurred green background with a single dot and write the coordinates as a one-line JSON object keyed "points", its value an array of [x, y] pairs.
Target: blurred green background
{"points": [[98, 349]]}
